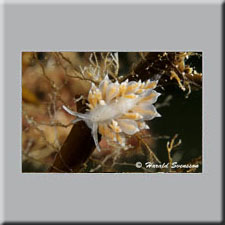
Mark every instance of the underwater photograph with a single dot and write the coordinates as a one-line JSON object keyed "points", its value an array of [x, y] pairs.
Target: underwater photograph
{"points": [[111, 112]]}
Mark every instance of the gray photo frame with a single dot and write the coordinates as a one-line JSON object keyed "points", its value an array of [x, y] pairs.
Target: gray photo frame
{"points": [[128, 26]]}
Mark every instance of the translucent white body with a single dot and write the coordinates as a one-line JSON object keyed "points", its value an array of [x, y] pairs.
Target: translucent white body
{"points": [[117, 110], [105, 113]]}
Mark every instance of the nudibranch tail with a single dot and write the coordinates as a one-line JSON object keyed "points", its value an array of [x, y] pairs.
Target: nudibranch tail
{"points": [[79, 115], [84, 117], [118, 110]]}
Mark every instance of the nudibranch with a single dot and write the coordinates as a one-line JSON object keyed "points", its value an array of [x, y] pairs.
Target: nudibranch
{"points": [[118, 110]]}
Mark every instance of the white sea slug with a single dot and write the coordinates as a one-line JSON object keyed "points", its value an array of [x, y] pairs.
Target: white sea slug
{"points": [[118, 110]]}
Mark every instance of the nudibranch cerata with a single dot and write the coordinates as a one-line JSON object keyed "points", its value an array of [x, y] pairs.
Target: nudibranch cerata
{"points": [[118, 110]]}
